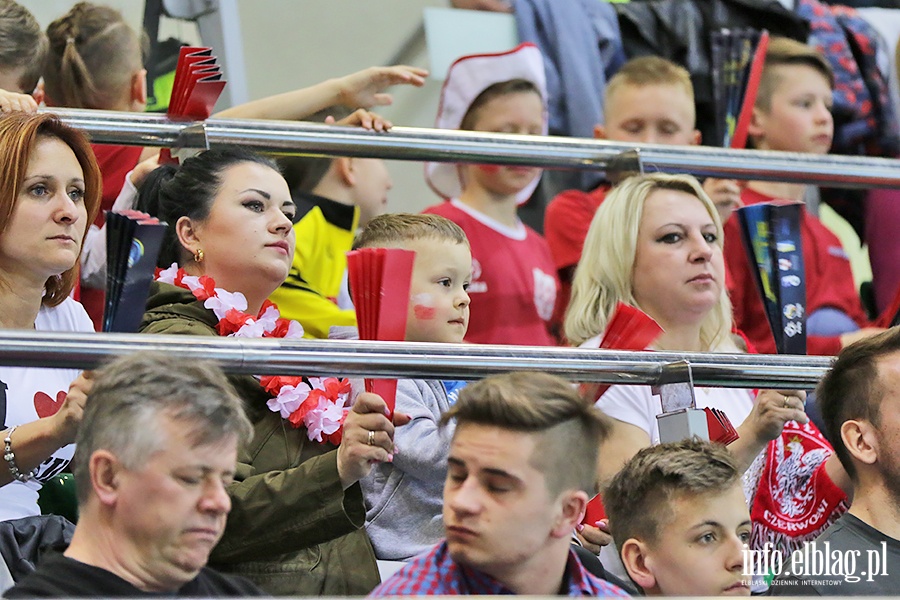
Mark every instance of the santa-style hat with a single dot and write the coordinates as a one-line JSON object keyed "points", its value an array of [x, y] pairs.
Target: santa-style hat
{"points": [[467, 77]]}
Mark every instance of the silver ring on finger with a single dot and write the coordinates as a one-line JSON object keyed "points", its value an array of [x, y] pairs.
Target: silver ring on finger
{"points": [[371, 439]]}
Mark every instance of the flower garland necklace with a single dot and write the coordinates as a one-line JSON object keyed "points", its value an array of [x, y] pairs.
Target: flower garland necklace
{"points": [[318, 403]]}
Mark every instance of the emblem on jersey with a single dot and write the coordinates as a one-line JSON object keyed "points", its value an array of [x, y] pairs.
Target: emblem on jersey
{"points": [[544, 294], [477, 286]]}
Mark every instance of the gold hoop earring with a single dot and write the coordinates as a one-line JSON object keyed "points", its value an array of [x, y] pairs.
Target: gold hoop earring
{"points": [[198, 255]]}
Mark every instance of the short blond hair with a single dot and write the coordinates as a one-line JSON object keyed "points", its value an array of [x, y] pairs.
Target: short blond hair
{"points": [[396, 228], [639, 498], [787, 52], [605, 272], [649, 70]]}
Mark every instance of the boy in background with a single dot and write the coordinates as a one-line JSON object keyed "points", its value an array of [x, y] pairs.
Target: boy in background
{"points": [[793, 114], [23, 48], [404, 497], [334, 197], [680, 520], [650, 100]]}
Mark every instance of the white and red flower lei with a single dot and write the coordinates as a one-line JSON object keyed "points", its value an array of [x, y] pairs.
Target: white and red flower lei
{"points": [[320, 404]]}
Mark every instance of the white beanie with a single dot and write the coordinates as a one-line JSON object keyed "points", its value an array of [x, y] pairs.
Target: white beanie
{"points": [[467, 77]]}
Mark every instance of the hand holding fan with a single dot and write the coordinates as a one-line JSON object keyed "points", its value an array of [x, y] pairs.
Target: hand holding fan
{"points": [[379, 285]]}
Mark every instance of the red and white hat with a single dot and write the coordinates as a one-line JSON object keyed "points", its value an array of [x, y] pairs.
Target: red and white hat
{"points": [[467, 77]]}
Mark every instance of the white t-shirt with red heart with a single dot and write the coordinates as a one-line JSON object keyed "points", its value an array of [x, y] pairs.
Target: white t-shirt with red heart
{"points": [[27, 394]]}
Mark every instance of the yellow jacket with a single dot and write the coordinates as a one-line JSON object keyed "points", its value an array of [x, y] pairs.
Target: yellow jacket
{"points": [[324, 231]]}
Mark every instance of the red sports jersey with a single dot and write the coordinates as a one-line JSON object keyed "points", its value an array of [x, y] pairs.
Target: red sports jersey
{"points": [[115, 162], [567, 221], [514, 284], [829, 281]]}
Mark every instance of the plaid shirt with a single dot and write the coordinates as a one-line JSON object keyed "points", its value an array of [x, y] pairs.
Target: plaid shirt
{"points": [[436, 573]]}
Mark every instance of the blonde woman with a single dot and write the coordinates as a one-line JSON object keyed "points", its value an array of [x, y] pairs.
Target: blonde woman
{"points": [[656, 244]]}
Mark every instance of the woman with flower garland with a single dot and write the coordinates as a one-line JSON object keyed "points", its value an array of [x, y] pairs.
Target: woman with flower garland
{"points": [[297, 508]]}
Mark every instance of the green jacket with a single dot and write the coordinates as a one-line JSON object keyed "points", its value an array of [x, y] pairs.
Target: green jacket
{"points": [[291, 529]]}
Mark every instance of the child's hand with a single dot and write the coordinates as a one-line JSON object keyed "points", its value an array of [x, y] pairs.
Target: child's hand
{"points": [[11, 101], [142, 169], [363, 89], [362, 118], [725, 194]]}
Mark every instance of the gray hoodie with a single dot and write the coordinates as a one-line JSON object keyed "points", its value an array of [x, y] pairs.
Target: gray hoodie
{"points": [[404, 499]]}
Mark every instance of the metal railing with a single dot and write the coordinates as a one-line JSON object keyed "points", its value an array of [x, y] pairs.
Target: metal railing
{"points": [[429, 360], [408, 143], [272, 356]]}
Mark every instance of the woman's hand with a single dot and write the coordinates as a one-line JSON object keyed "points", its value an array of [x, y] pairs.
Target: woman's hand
{"points": [[362, 118], [364, 89], [772, 410], [725, 194], [594, 538], [68, 417], [366, 422], [142, 169]]}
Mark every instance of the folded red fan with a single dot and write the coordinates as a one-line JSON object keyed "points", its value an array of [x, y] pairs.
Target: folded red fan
{"points": [[196, 88], [629, 329], [379, 285], [720, 428], [594, 511]]}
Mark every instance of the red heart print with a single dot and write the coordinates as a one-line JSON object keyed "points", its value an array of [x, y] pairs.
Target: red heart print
{"points": [[46, 406]]}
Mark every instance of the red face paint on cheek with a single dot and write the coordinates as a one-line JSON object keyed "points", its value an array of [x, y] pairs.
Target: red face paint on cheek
{"points": [[489, 169], [424, 313]]}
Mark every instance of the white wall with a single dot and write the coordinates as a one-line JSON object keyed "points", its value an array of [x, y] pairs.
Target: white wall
{"points": [[295, 43]]}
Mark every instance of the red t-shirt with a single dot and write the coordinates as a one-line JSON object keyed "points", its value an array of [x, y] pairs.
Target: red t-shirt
{"points": [[514, 284], [115, 162], [829, 281], [567, 221]]}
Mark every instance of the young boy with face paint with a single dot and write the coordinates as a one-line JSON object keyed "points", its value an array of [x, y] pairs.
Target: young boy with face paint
{"points": [[404, 497], [514, 283]]}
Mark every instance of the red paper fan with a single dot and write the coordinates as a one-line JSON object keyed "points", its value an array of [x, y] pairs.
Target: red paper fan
{"points": [[628, 329], [196, 88], [379, 285]]}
